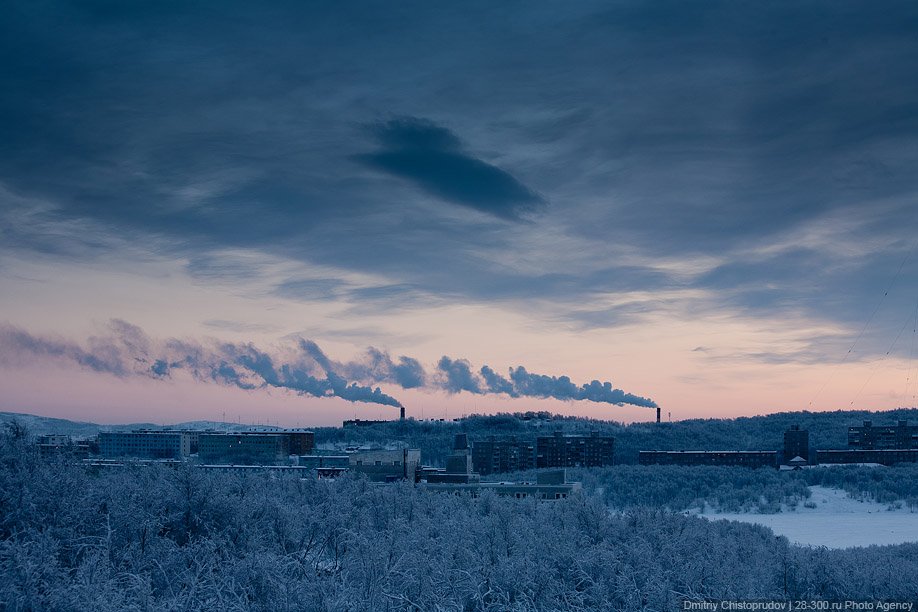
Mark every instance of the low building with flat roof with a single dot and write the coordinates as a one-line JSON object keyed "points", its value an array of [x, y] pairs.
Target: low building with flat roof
{"points": [[61, 445], [752, 459], [550, 485], [889, 456], [386, 465]]}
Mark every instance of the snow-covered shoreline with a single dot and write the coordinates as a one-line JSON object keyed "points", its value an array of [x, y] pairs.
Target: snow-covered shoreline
{"points": [[836, 521]]}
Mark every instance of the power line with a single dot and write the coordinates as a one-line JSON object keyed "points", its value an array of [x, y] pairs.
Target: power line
{"points": [[911, 358], [880, 361], [863, 329]]}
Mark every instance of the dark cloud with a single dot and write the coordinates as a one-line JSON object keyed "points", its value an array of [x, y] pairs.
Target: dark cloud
{"points": [[430, 156], [669, 130]]}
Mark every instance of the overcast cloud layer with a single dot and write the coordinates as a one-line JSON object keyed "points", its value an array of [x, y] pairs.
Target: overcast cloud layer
{"points": [[591, 163]]}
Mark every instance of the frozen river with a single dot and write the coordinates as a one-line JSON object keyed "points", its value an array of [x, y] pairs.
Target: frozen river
{"points": [[837, 521]]}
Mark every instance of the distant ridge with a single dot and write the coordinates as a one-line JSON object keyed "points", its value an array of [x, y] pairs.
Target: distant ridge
{"points": [[40, 425]]}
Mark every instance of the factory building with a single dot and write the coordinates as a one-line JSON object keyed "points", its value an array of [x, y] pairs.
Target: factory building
{"points": [[145, 444], [386, 465], [574, 451], [752, 459], [898, 436], [459, 466]]}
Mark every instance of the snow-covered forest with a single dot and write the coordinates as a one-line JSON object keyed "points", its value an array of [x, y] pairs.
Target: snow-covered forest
{"points": [[151, 538], [736, 489]]}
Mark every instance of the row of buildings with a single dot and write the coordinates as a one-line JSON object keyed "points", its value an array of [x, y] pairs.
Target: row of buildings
{"points": [[266, 447], [884, 445], [261, 454], [253, 447]]}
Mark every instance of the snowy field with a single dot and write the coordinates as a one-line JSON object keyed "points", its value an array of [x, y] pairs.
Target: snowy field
{"points": [[837, 521]]}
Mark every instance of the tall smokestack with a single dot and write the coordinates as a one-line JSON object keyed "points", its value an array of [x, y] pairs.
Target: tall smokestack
{"points": [[658, 413], [401, 414]]}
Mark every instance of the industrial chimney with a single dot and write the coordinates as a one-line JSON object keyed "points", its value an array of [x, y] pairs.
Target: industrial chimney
{"points": [[658, 414], [401, 414]]}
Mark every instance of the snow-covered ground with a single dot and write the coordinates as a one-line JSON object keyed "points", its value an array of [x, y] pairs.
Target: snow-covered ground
{"points": [[837, 521]]}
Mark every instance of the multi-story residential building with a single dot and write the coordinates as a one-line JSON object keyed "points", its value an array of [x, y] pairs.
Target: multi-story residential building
{"points": [[797, 445], [145, 444], [300, 441], [498, 456], [244, 448], [574, 451], [899, 436], [512, 455]]}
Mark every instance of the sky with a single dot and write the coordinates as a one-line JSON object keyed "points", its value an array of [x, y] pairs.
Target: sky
{"points": [[302, 212]]}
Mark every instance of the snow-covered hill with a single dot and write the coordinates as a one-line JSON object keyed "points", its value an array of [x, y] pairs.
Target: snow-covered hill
{"points": [[39, 425]]}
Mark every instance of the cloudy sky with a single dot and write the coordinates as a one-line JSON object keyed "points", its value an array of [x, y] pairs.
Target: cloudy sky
{"points": [[300, 212]]}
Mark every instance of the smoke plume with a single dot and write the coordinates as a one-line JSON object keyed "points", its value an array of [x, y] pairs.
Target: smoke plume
{"points": [[124, 350], [457, 376], [127, 351]]}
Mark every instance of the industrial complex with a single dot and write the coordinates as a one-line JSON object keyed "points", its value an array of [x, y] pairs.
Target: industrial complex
{"points": [[294, 451]]}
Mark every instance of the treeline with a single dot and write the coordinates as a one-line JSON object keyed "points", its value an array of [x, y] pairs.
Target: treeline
{"points": [[897, 485], [677, 488], [827, 430], [735, 489], [154, 538]]}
